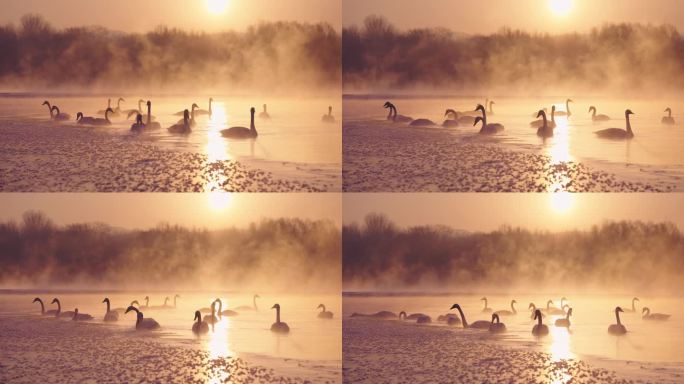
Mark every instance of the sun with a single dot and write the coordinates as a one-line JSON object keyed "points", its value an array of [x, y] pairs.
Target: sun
{"points": [[219, 201], [562, 202], [217, 7], [560, 7]]}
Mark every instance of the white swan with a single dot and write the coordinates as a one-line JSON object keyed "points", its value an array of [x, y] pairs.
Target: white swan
{"points": [[109, 105], [51, 312], [540, 122], [227, 312], [564, 322], [479, 324], [496, 327], [669, 120], [181, 128], [633, 310], [539, 329], [110, 315], [545, 130], [279, 326], [59, 116], [59, 312], [242, 132], [486, 309], [138, 125], [192, 121], [323, 314], [264, 113], [211, 318], [567, 111], [329, 118], [394, 116], [86, 120], [199, 326], [512, 312], [141, 323], [647, 315], [487, 129], [248, 308], [595, 117], [617, 329], [81, 316]]}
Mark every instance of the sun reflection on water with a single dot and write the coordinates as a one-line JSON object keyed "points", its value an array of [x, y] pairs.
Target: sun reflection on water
{"points": [[559, 149], [217, 147], [218, 347]]}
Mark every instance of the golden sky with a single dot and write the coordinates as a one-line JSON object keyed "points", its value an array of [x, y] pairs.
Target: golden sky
{"points": [[198, 15], [487, 16], [485, 212], [145, 210]]}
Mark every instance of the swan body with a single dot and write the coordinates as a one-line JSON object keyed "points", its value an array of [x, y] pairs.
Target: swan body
{"points": [[87, 120], [487, 129], [59, 116], [617, 329], [565, 322], [595, 117], [539, 329], [110, 315], [480, 324], [486, 309], [618, 133], [382, 315], [329, 118], [81, 316], [51, 312], [59, 312], [181, 128], [138, 125], [567, 111], [647, 315], [450, 122], [211, 318], [279, 326], [394, 116], [248, 308], [242, 132], [496, 327], [545, 130], [208, 112], [512, 312], [633, 310], [199, 326], [264, 113], [141, 323], [192, 121], [669, 120], [540, 122], [420, 318], [421, 123], [323, 314], [491, 109], [449, 318], [227, 312]]}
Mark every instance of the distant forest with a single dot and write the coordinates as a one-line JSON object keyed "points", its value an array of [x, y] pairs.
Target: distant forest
{"points": [[631, 255], [269, 55], [287, 254], [611, 57]]}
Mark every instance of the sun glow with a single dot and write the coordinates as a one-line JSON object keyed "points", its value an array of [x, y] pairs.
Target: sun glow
{"points": [[562, 202], [560, 7], [217, 7], [219, 201]]}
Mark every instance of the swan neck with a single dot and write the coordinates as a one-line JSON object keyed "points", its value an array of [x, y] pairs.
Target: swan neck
{"points": [[629, 129], [463, 318], [149, 113], [539, 320], [617, 317], [567, 107], [254, 302], [669, 113], [277, 314], [42, 307], [107, 305], [251, 123]]}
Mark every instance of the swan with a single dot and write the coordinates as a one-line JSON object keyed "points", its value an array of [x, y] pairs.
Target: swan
{"points": [[540, 122], [450, 122], [543, 109], [242, 132], [175, 297], [138, 125], [539, 329], [49, 108], [491, 110], [479, 324], [668, 119], [449, 318], [94, 120], [192, 116], [382, 315], [421, 123], [81, 316], [227, 312], [199, 326], [634, 300], [201, 112], [596, 117], [486, 309], [264, 113], [487, 129], [329, 118], [130, 112], [507, 312], [458, 118], [496, 327], [147, 303], [117, 110], [59, 116], [51, 312], [123, 310], [552, 310], [323, 314], [565, 322], [567, 109], [533, 309], [545, 130], [59, 312], [142, 323], [110, 315], [562, 300], [279, 326], [109, 105], [182, 128], [418, 317], [653, 316], [618, 133], [393, 114], [150, 124], [248, 308], [617, 329], [211, 318]]}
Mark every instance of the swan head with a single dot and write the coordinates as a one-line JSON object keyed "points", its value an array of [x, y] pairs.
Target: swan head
{"points": [[141, 101], [618, 309], [146, 298], [135, 302], [480, 107], [402, 315], [537, 314], [456, 306], [513, 302], [36, 300], [643, 310], [635, 299], [564, 298], [321, 306], [166, 299], [495, 317], [194, 105], [252, 110], [149, 103], [132, 309], [121, 99], [55, 300], [276, 306], [106, 300], [198, 316], [177, 296], [569, 101], [532, 306], [257, 297], [668, 109], [553, 108], [79, 116], [109, 110], [548, 303], [592, 108], [46, 103], [477, 120], [627, 113], [541, 113], [386, 105], [491, 102], [569, 311]]}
